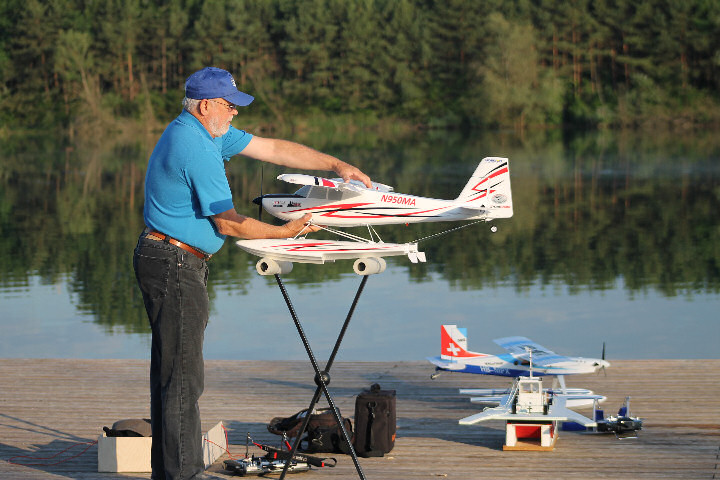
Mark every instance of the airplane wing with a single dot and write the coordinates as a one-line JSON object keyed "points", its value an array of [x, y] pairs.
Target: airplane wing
{"points": [[495, 413], [560, 410], [557, 411], [304, 250], [574, 398], [486, 395], [541, 356], [579, 401], [338, 183], [484, 391]]}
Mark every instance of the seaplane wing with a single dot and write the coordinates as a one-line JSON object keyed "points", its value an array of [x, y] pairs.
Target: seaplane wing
{"points": [[529, 404], [304, 250], [337, 183], [501, 412], [560, 409], [522, 348]]}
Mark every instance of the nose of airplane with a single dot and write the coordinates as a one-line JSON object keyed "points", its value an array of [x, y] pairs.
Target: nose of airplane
{"points": [[601, 365], [258, 200]]}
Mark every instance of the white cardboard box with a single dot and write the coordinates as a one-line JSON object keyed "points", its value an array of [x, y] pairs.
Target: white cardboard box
{"points": [[132, 454]]}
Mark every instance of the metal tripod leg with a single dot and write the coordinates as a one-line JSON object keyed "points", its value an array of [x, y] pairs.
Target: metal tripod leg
{"points": [[322, 378]]}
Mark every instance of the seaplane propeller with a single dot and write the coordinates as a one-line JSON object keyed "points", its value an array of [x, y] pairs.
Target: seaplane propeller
{"points": [[602, 366], [259, 203]]}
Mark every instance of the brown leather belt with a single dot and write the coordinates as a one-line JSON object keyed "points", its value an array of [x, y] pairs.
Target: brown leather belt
{"points": [[152, 235]]}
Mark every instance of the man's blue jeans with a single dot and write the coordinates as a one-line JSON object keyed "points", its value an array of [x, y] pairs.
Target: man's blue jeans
{"points": [[173, 283]]}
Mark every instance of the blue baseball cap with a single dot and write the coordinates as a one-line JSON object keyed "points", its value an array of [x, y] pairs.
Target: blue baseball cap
{"points": [[213, 82]]}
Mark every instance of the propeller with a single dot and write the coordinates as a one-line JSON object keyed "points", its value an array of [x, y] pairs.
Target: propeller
{"points": [[603, 358], [260, 207]]}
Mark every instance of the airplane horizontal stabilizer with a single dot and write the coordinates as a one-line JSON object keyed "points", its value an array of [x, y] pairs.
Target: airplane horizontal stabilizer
{"points": [[446, 364]]}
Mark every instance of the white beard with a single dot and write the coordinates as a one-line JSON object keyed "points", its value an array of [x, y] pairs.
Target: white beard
{"points": [[217, 130]]}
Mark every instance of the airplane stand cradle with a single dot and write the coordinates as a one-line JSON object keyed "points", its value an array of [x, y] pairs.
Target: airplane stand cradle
{"points": [[530, 436], [322, 377]]}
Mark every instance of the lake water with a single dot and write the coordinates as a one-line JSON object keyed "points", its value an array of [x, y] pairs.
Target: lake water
{"points": [[615, 239]]}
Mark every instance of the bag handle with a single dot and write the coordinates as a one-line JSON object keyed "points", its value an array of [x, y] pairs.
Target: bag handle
{"points": [[369, 433]]}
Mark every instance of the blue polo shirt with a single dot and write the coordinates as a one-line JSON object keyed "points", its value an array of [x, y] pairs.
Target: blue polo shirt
{"points": [[186, 183]]}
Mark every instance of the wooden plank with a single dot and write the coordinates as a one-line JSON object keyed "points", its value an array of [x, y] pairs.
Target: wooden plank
{"points": [[48, 406]]}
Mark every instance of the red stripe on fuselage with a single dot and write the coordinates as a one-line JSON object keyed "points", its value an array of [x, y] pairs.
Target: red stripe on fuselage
{"points": [[343, 210]]}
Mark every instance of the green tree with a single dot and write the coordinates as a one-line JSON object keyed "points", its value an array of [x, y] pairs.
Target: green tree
{"points": [[455, 30], [406, 59], [242, 44], [360, 82], [74, 64], [516, 89], [118, 32], [309, 35]]}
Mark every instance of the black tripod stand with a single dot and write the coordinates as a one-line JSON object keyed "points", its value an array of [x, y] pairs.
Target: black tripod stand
{"points": [[322, 377]]}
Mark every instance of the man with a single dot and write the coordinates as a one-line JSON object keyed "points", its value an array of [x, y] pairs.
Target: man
{"points": [[188, 213]]}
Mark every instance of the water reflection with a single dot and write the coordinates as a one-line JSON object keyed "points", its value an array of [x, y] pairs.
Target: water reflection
{"points": [[634, 218]]}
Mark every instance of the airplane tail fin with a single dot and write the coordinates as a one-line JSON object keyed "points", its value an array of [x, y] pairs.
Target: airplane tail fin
{"points": [[453, 342], [489, 188]]}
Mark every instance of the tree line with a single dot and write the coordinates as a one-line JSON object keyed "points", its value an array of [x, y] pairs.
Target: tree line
{"points": [[435, 63]]}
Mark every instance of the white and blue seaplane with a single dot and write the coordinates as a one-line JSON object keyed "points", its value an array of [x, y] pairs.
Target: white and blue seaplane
{"points": [[525, 359], [336, 204]]}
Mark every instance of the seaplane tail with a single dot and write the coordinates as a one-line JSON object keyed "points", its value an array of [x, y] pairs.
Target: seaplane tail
{"points": [[453, 343], [489, 189], [454, 355]]}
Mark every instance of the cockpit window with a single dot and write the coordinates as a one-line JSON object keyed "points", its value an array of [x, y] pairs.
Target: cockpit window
{"points": [[309, 191], [303, 191], [323, 193]]}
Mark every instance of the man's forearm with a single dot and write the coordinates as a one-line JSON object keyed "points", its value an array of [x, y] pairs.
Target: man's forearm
{"points": [[233, 224], [290, 154], [295, 155]]}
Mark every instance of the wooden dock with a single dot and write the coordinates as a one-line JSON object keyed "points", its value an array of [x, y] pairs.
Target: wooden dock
{"points": [[47, 406]]}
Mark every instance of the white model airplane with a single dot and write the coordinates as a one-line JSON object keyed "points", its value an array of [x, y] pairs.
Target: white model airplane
{"points": [[526, 358], [333, 203], [486, 196]]}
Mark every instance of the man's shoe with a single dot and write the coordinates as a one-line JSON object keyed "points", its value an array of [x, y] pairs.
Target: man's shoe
{"points": [[207, 476]]}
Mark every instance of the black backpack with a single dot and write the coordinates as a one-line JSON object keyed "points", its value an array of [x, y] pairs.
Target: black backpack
{"points": [[375, 423], [323, 434]]}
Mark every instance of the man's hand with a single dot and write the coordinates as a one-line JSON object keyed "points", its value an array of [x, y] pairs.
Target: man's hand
{"points": [[348, 172], [301, 226]]}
